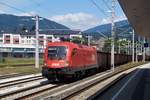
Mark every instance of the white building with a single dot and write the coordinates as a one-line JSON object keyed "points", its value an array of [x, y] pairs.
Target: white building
{"points": [[23, 44]]}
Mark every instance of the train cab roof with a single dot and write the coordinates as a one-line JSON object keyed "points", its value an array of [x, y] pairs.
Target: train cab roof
{"points": [[71, 44]]}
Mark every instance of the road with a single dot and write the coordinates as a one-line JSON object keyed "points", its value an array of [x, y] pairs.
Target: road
{"points": [[134, 86]]}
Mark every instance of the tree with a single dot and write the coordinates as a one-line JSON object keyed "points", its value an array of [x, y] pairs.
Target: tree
{"points": [[107, 45], [78, 40], [23, 28], [32, 28]]}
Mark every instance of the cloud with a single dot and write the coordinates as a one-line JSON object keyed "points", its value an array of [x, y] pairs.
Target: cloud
{"points": [[2, 12], [82, 20], [108, 20], [77, 20], [26, 14]]}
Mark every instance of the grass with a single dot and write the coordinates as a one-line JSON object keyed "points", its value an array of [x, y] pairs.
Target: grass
{"points": [[131, 65], [18, 61], [10, 66], [31, 69], [10, 70]]}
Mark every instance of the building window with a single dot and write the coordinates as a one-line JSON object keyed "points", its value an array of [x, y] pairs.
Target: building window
{"points": [[7, 41], [41, 37], [49, 39], [40, 41], [28, 37], [16, 41], [7, 36], [22, 41]]}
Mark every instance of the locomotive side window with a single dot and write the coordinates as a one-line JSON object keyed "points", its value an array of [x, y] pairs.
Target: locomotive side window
{"points": [[57, 52], [74, 51]]}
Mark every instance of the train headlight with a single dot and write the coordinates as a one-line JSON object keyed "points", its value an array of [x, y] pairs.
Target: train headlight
{"points": [[66, 64], [55, 64], [45, 64]]}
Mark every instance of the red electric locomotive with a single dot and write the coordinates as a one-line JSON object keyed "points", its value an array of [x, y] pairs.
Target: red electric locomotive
{"points": [[67, 59]]}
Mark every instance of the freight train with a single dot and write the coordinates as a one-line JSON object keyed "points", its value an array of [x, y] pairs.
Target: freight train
{"points": [[67, 59]]}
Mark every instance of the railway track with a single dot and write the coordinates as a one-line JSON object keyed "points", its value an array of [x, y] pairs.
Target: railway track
{"points": [[12, 75], [18, 78], [27, 90], [24, 86], [79, 90], [16, 82], [86, 88]]}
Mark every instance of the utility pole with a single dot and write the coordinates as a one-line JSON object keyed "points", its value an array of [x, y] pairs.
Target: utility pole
{"points": [[143, 50], [136, 57], [119, 47], [37, 42], [133, 46], [89, 40], [128, 48], [113, 34]]}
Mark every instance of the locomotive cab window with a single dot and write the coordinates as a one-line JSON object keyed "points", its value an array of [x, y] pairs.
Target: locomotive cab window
{"points": [[74, 51], [57, 52]]}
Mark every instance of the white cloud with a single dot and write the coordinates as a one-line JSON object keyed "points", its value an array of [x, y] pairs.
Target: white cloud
{"points": [[123, 17], [26, 14], [80, 20], [2, 12]]}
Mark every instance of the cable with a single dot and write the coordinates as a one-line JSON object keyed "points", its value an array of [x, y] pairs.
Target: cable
{"points": [[101, 10], [106, 4], [44, 20], [20, 10]]}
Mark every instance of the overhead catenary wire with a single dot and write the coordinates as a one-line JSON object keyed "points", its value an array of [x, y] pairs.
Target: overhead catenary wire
{"points": [[99, 8], [44, 21], [18, 9], [106, 4], [23, 11]]}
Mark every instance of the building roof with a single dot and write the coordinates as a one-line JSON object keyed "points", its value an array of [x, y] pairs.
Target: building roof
{"points": [[138, 13], [51, 32]]}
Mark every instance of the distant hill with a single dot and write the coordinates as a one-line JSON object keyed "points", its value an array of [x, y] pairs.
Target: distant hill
{"points": [[122, 29], [12, 23]]}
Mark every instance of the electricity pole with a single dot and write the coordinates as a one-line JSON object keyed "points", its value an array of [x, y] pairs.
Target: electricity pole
{"points": [[133, 46], [89, 40], [113, 34], [128, 48], [136, 57], [119, 47], [37, 42], [143, 50]]}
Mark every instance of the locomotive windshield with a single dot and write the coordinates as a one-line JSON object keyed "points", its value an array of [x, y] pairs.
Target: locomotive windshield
{"points": [[57, 52]]}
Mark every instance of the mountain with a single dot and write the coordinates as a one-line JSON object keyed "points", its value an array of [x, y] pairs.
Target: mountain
{"points": [[12, 23], [122, 29]]}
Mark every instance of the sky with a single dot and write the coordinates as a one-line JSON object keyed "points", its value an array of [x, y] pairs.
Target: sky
{"points": [[75, 14]]}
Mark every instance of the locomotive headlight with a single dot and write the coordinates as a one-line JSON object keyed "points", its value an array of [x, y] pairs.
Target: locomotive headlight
{"points": [[45, 64], [66, 63], [55, 64]]}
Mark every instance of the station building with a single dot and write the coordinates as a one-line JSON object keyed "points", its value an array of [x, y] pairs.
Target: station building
{"points": [[22, 44]]}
